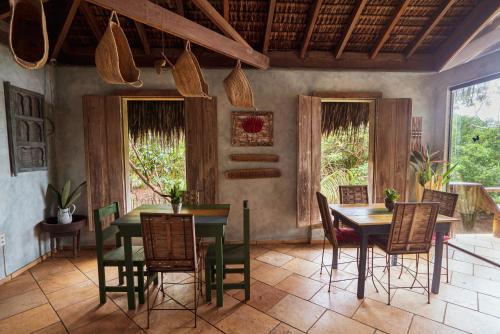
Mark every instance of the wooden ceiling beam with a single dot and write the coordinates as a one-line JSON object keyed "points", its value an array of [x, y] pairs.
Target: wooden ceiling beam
{"points": [[155, 16], [143, 37], [388, 30], [219, 20], [446, 5], [353, 21], [310, 27], [65, 28], [226, 10], [269, 25], [88, 13]]}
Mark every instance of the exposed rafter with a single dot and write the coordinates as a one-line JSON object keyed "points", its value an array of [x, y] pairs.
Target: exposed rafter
{"points": [[148, 13], [143, 37], [5, 9], [226, 10], [310, 27], [65, 28], [91, 20], [353, 20], [387, 32], [477, 19], [219, 20], [269, 25], [424, 33]]}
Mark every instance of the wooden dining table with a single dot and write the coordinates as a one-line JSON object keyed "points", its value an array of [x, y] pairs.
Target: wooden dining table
{"points": [[375, 219], [210, 222]]}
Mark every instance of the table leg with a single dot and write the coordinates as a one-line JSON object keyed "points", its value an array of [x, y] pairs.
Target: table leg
{"points": [[438, 258], [129, 268], [219, 268], [335, 260], [362, 266], [52, 250], [74, 245]]}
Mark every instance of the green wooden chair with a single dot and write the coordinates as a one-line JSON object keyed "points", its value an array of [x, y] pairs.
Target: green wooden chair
{"points": [[116, 256], [234, 254]]}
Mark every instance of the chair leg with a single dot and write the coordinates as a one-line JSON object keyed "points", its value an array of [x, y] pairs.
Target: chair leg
{"points": [[102, 283], [401, 272], [373, 274], [428, 281], [388, 265], [246, 275], [208, 282], [140, 283], [417, 260], [195, 287], [331, 271], [322, 256], [447, 262], [147, 301], [121, 274]]}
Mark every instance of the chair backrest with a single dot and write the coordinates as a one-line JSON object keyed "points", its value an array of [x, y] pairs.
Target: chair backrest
{"points": [[326, 219], [102, 217], [169, 242], [246, 229], [353, 194], [412, 228], [191, 197], [447, 201]]}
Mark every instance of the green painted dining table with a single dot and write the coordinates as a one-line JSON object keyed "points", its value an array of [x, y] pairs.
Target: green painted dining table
{"points": [[210, 222]]}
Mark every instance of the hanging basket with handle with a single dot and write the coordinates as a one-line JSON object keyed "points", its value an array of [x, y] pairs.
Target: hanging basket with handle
{"points": [[28, 38], [113, 57], [238, 88], [187, 75]]}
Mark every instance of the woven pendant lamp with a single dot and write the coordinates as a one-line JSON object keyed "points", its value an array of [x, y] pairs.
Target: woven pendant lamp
{"points": [[28, 38], [187, 75]]}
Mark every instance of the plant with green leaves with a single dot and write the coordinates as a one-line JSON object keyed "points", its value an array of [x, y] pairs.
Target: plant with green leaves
{"points": [[175, 194], [431, 172], [66, 197], [391, 194]]}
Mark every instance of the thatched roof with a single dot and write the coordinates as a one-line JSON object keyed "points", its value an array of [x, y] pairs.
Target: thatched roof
{"points": [[162, 120], [343, 116]]}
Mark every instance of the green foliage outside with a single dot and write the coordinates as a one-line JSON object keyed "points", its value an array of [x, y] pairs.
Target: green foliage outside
{"points": [[164, 166], [344, 161]]}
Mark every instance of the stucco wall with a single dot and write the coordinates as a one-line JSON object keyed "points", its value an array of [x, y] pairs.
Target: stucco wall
{"points": [[22, 198], [272, 200]]}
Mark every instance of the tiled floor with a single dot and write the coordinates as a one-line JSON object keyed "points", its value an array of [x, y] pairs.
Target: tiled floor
{"points": [[289, 295]]}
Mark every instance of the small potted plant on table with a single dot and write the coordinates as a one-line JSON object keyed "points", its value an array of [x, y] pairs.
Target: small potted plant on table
{"points": [[66, 200], [390, 196], [175, 195]]}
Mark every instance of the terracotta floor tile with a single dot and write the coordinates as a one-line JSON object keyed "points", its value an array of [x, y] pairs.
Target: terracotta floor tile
{"points": [[262, 296], [248, 320], [73, 294], [483, 251], [416, 302], [482, 285], [296, 312], [21, 284], [50, 267], [384, 317], [421, 325], [370, 291], [30, 320], [174, 322], [307, 252], [116, 322], [471, 321], [120, 299], [487, 273], [301, 267], [285, 329], [63, 280], [340, 279], [57, 328], [110, 273], [456, 295], [300, 286], [85, 312], [270, 274], [460, 256], [337, 300], [334, 323], [489, 305], [21, 303], [211, 313], [85, 263], [275, 258], [256, 251]]}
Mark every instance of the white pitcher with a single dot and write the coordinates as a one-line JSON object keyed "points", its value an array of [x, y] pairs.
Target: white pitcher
{"points": [[65, 216]]}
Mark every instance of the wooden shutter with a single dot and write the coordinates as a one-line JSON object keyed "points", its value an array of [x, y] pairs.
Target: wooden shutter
{"points": [[201, 148], [392, 147], [104, 153], [308, 159]]}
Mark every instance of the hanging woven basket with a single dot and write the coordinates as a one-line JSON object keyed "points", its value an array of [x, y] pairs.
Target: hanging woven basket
{"points": [[113, 57], [238, 88], [28, 38], [187, 75]]}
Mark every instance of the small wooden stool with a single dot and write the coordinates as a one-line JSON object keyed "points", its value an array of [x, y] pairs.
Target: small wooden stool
{"points": [[57, 231]]}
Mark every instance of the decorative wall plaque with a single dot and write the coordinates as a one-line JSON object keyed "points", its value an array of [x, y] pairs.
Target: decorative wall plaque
{"points": [[252, 128], [26, 129]]}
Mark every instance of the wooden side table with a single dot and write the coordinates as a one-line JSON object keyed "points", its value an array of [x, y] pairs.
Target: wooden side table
{"points": [[57, 231]]}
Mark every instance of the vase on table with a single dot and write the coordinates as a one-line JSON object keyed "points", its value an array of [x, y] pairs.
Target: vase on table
{"points": [[65, 216], [176, 207], [389, 204]]}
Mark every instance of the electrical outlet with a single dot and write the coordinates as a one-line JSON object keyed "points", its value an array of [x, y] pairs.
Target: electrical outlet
{"points": [[2, 239]]}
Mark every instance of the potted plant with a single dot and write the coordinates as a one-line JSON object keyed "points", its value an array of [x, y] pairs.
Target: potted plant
{"points": [[66, 200], [175, 195], [390, 196]]}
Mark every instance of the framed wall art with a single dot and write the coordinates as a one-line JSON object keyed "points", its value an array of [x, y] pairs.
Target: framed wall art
{"points": [[252, 128]]}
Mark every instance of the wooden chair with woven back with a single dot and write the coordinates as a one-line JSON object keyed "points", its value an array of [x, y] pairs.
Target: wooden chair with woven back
{"points": [[116, 256], [411, 232], [339, 237], [447, 204], [170, 247], [234, 254]]}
